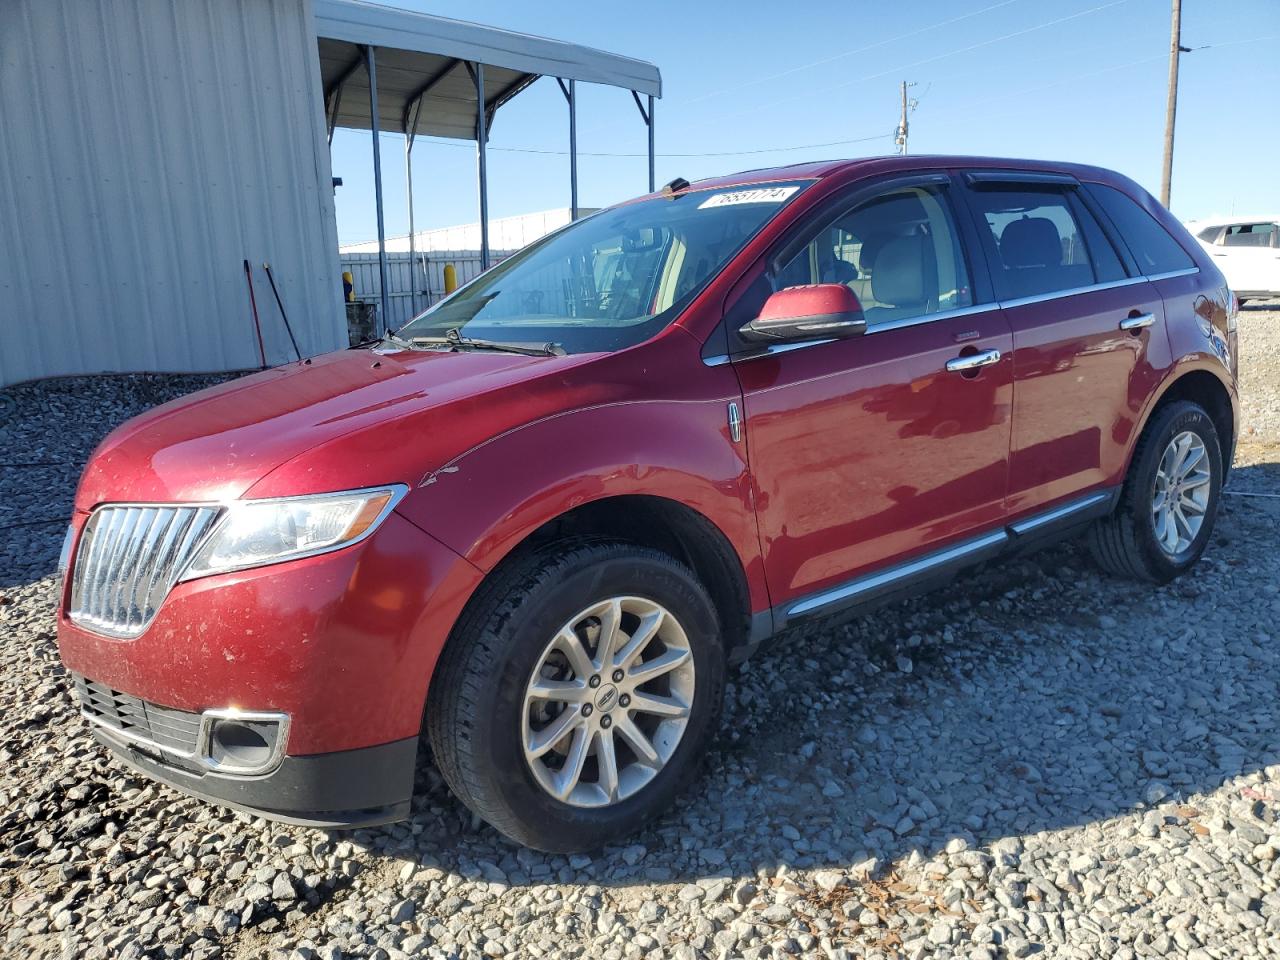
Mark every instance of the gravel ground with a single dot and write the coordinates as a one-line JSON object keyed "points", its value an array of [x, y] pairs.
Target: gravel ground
{"points": [[1038, 761]]}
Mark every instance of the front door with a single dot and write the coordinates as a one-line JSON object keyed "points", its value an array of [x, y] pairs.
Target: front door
{"points": [[870, 449]]}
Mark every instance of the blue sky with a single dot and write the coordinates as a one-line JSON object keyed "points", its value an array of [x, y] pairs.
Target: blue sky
{"points": [[1080, 80]]}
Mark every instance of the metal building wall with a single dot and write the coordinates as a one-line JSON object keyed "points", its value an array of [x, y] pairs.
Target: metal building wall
{"points": [[147, 147]]}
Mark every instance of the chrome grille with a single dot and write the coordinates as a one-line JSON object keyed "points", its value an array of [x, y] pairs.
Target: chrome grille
{"points": [[129, 558], [174, 730]]}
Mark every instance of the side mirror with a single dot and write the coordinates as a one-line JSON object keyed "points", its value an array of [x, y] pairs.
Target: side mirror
{"points": [[818, 311]]}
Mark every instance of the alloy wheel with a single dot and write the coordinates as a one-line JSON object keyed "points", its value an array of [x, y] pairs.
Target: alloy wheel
{"points": [[608, 702], [1181, 496]]}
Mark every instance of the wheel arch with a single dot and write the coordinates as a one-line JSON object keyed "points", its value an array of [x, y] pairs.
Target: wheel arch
{"points": [[1204, 386], [659, 523]]}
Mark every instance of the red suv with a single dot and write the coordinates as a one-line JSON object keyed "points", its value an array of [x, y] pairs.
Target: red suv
{"points": [[536, 524]]}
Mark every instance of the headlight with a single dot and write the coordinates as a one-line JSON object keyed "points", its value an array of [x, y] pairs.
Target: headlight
{"points": [[253, 533]]}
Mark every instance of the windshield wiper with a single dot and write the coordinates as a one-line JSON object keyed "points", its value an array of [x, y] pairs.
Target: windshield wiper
{"points": [[458, 341], [390, 337]]}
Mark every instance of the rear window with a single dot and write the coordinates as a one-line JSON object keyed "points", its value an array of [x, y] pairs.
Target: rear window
{"points": [[1149, 242], [1250, 235]]}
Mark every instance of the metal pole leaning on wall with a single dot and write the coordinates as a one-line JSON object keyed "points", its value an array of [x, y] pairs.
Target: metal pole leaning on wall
{"points": [[482, 173], [372, 69], [570, 94]]}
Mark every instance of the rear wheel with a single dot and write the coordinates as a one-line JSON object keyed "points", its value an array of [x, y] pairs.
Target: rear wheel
{"points": [[578, 694], [1167, 508]]}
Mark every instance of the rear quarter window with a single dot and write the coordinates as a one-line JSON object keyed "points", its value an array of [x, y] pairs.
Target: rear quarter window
{"points": [[1150, 243]]}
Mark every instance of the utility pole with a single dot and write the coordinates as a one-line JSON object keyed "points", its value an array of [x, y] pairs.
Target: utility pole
{"points": [[901, 138], [1176, 49]]}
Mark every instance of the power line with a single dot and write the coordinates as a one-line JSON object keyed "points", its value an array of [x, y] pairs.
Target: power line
{"points": [[1074, 78], [941, 56], [850, 53]]}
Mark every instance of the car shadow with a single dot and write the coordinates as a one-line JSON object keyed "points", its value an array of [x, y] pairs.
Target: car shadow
{"points": [[1034, 695]]}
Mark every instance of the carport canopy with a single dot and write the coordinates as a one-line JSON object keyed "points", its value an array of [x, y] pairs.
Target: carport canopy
{"points": [[385, 69]]}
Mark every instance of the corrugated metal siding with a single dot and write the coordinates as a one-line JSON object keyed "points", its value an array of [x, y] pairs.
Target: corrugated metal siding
{"points": [[147, 148]]}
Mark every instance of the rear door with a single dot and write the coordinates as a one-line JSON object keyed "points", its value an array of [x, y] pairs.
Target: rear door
{"points": [[870, 449], [1088, 338]]}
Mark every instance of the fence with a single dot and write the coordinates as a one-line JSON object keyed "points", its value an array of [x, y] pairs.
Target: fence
{"points": [[400, 276]]}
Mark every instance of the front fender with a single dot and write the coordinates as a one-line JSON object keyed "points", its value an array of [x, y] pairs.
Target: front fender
{"points": [[485, 502]]}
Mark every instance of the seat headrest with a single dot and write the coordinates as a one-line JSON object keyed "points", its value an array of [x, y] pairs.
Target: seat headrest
{"points": [[870, 249], [898, 276], [1031, 242], [838, 271]]}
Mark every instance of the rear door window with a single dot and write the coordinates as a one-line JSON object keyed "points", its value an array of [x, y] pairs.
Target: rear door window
{"points": [[1150, 243], [1042, 240]]}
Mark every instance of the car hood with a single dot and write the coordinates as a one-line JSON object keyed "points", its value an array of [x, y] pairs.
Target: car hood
{"points": [[343, 420]]}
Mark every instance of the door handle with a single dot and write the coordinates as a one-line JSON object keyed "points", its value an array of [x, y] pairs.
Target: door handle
{"points": [[1138, 322], [973, 361]]}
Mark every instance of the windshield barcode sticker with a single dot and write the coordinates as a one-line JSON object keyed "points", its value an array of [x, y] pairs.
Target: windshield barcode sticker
{"points": [[759, 195]]}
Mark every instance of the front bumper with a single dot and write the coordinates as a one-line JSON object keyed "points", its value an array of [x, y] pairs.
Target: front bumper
{"points": [[344, 643], [337, 649], [344, 789]]}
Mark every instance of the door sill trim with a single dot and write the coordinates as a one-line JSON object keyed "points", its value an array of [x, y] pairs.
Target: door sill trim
{"points": [[1067, 510], [902, 577]]}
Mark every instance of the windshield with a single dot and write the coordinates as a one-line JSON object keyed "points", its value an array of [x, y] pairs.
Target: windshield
{"points": [[611, 280]]}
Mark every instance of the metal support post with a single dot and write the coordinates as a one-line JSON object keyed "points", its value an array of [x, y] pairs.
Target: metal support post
{"points": [[652, 187], [647, 116], [410, 133], [371, 66], [482, 136], [570, 94]]}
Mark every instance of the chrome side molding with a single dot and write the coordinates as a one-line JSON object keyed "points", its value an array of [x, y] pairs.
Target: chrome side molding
{"points": [[1050, 517], [887, 578], [988, 545]]}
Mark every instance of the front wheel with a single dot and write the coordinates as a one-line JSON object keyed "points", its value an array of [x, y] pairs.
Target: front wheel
{"points": [[578, 693], [1167, 508]]}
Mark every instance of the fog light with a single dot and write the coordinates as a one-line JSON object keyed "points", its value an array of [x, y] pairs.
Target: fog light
{"points": [[243, 744]]}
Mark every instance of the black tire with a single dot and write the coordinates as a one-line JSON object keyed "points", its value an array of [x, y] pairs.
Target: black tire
{"points": [[476, 702], [1125, 543]]}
